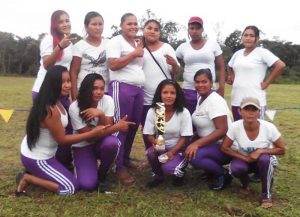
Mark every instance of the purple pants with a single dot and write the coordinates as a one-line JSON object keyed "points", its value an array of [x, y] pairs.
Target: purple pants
{"points": [[85, 161], [63, 153], [175, 166], [191, 97], [129, 100], [237, 116], [144, 115], [53, 171], [211, 159], [264, 166]]}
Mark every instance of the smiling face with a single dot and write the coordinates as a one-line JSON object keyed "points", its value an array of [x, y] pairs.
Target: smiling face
{"points": [[95, 27], [168, 95], [151, 32], [130, 27], [66, 83], [203, 85], [63, 24], [98, 91]]}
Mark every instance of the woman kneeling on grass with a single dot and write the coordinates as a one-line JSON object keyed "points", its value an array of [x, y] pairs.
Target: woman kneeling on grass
{"points": [[45, 130], [253, 143], [178, 128], [93, 108]]}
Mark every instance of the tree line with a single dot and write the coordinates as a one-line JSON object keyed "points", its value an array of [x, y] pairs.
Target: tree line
{"points": [[21, 55]]}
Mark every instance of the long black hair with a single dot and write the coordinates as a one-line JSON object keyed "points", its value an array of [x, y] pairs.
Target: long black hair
{"points": [[179, 102], [85, 94], [48, 96]]}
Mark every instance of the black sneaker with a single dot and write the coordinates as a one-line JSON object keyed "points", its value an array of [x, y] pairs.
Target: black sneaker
{"points": [[154, 183], [102, 187], [218, 183], [177, 181]]}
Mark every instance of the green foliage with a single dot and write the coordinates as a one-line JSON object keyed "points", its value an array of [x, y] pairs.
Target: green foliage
{"points": [[193, 199]]}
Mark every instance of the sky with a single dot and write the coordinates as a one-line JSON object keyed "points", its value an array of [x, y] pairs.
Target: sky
{"points": [[277, 19]]}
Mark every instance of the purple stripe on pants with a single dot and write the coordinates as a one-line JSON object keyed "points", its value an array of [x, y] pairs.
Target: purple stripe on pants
{"points": [[191, 98], [129, 101], [211, 159], [53, 171], [85, 161], [63, 153], [144, 115], [263, 166], [175, 166]]}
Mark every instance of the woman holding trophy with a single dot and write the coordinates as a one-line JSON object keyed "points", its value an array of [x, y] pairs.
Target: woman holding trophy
{"points": [[168, 125]]}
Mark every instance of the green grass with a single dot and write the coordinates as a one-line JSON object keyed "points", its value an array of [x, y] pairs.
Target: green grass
{"points": [[194, 199]]}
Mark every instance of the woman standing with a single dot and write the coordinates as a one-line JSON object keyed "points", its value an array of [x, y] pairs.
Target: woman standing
{"points": [[160, 63], [178, 128], [247, 71], [89, 54], [211, 119], [199, 53], [93, 108], [45, 130], [125, 61]]}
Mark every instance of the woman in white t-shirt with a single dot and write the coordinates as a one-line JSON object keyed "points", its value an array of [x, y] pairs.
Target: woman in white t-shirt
{"points": [[211, 119], [93, 108], [44, 131], [166, 66], [127, 78], [89, 54], [247, 71], [178, 128], [199, 53], [253, 144]]}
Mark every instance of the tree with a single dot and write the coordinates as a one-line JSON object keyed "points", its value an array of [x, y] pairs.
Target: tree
{"points": [[233, 41]]}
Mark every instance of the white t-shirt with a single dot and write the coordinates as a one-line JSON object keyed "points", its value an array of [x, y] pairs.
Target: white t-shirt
{"points": [[197, 59], [153, 73], [179, 125], [213, 106], [133, 72], [106, 104], [45, 147], [46, 49], [93, 60], [268, 134], [250, 72]]}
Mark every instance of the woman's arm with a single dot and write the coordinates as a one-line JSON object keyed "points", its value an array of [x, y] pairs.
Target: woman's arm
{"points": [[220, 66], [180, 144], [277, 69], [175, 67], [74, 71], [220, 131], [226, 148], [230, 77]]}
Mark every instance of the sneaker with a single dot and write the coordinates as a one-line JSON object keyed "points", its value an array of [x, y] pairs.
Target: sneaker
{"points": [[102, 187], [177, 181], [218, 183], [154, 183]]}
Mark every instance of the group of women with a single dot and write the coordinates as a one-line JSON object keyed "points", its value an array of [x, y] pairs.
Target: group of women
{"points": [[115, 85]]}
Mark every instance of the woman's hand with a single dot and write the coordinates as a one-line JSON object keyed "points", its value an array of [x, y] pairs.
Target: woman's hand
{"points": [[91, 113], [123, 125], [190, 152]]}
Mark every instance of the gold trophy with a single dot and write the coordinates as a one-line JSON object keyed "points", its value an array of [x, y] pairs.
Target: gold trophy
{"points": [[160, 126]]}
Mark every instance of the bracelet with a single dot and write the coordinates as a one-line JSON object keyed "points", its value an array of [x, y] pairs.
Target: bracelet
{"points": [[60, 47]]}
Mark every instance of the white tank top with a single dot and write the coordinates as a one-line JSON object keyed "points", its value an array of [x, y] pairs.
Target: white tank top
{"points": [[45, 147]]}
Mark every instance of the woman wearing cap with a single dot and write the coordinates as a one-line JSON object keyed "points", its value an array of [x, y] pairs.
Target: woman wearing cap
{"points": [[247, 71], [199, 53], [253, 143]]}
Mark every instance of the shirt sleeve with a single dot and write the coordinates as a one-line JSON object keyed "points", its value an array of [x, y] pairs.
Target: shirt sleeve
{"points": [[149, 128], [268, 57], [186, 128], [46, 46], [110, 107], [218, 107], [217, 49], [179, 54], [76, 120], [76, 49], [274, 132]]}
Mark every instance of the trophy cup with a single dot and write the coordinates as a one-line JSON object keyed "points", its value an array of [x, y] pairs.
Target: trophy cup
{"points": [[160, 126]]}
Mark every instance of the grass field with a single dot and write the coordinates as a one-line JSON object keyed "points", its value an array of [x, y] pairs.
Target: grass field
{"points": [[193, 199]]}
